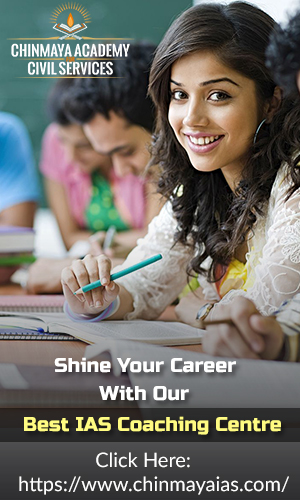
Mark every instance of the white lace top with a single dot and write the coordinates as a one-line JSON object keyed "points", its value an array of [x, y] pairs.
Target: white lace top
{"points": [[273, 259]]}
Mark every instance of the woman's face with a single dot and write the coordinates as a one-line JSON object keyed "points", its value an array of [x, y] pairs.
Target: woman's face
{"points": [[79, 150], [214, 113]]}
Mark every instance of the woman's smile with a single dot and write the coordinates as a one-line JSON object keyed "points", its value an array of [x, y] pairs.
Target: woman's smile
{"points": [[202, 143]]}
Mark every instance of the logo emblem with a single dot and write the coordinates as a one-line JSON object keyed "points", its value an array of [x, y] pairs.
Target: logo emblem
{"points": [[67, 25]]}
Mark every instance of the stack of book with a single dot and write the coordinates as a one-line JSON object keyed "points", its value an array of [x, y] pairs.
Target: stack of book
{"points": [[16, 246]]}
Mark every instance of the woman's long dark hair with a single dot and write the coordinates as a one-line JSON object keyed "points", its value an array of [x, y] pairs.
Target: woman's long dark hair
{"points": [[213, 219]]}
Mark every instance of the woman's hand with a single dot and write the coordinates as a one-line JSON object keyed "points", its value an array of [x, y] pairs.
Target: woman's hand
{"points": [[81, 273], [249, 336]]}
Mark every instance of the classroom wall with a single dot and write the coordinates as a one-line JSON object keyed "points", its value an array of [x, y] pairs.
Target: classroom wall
{"points": [[30, 19]]}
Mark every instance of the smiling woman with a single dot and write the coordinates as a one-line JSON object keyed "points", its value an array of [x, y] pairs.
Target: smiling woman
{"points": [[228, 146], [223, 135]]}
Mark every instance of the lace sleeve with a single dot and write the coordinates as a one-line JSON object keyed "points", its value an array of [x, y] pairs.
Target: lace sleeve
{"points": [[276, 258], [156, 286]]}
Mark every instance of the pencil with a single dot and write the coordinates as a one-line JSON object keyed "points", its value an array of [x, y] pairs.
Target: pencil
{"points": [[109, 237], [115, 276]]}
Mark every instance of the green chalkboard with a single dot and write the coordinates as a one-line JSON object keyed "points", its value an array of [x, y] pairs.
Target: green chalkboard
{"points": [[137, 19]]}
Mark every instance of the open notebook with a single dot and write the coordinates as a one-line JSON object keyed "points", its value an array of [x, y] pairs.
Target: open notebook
{"points": [[153, 332]]}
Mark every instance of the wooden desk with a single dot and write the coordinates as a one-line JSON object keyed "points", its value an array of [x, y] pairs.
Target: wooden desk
{"points": [[43, 353]]}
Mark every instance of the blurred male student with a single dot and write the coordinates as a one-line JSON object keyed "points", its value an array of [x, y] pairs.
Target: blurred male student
{"points": [[117, 117]]}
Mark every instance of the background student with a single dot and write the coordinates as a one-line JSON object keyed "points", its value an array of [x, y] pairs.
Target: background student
{"points": [[283, 55], [83, 190], [119, 116], [234, 196], [19, 188]]}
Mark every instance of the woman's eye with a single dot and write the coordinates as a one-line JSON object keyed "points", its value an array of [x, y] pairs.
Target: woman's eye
{"points": [[178, 95], [219, 96], [129, 152]]}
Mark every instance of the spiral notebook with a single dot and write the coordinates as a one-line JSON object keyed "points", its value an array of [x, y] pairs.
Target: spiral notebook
{"points": [[29, 304], [32, 303], [8, 333]]}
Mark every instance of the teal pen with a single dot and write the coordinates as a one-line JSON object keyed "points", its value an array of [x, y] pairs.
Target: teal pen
{"points": [[115, 276]]}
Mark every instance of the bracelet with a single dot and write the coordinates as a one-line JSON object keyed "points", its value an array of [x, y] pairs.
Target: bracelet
{"points": [[83, 318]]}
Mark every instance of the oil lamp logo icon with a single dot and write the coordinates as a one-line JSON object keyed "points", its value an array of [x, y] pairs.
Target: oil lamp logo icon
{"points": [[69, 29]]}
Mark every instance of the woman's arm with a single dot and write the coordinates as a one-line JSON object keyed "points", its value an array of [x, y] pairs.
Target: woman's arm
{"points": [[58, 202]]}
